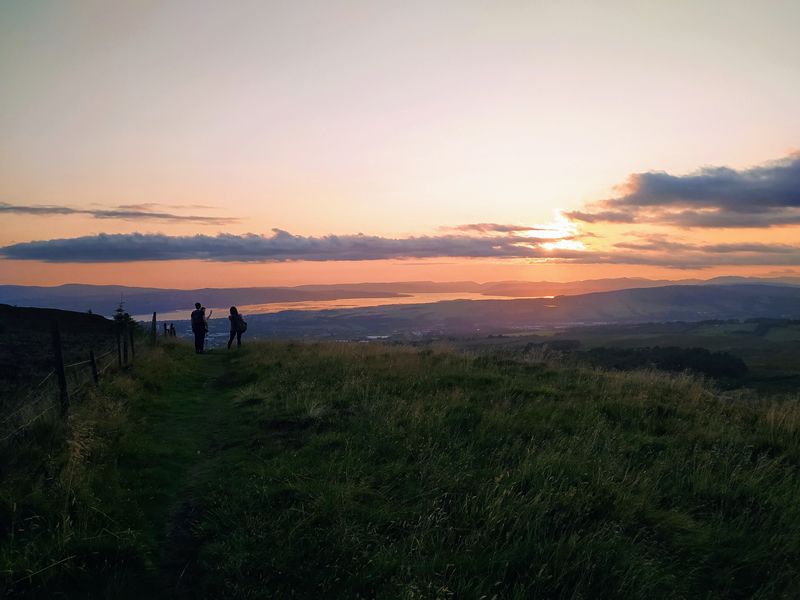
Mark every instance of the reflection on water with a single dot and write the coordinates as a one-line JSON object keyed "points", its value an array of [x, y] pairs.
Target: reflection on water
{"points": [[272, 307]]}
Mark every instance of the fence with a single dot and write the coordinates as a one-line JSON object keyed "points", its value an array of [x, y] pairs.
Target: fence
{"points": [[56, 390]]}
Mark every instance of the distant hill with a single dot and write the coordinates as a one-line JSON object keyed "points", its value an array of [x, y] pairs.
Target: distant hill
{"points": [[103, 299]]}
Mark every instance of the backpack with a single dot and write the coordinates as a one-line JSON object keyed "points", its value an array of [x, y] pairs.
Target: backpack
{"points": [[198, 323], [242, 326]]}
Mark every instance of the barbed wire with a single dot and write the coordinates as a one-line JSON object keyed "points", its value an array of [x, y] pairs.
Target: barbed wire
{"points": [[46, 377], [30, 399], [78, 364], [38, 393], [28, 423]]}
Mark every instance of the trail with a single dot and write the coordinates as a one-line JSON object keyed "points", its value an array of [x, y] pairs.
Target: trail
{"points": [[184, 437]]}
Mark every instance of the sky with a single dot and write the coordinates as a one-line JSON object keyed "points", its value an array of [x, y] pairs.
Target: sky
{"points": [[195, 144]]}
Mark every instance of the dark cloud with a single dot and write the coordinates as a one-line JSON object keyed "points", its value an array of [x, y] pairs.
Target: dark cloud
{"points": [[283, 246], [280, 246], [607, 216], [130, 212], [720, 218], [763, 196]]}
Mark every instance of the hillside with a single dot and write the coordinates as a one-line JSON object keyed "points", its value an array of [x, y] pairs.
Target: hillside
{"points": [[103, 299], [26, 348], [360, 470]]}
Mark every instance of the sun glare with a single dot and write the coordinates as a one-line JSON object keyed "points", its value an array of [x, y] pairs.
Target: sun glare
{"points": [[560, 227], [564, 245]]}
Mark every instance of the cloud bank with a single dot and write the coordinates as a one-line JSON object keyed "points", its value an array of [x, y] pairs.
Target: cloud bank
{"points": [[283, 246], [280, 246]]}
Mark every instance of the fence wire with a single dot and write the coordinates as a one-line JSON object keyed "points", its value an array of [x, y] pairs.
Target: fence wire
{"points": [[43, 397], [32, 395]]}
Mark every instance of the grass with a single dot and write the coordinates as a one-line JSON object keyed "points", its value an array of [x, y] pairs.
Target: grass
{"points": [[360, 470], [771, 355]]}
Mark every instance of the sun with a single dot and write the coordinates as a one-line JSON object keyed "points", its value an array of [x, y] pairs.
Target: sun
{"points": [[564, 245], [561, 230]]}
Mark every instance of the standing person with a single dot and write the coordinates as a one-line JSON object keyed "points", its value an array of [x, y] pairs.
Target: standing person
{"points": [[238, 327], [198, 327], [206, 318]]}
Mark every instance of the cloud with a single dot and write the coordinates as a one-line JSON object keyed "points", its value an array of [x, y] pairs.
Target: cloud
{"points": [[721, 218], [283, 246], [128, 212], [714, 197], [661, 244], [154, 206], [608, 216], [280, 246], [495, 228], [653, 245]]}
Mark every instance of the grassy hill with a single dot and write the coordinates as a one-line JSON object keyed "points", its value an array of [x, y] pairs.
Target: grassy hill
{"points": [[769, 348], [360, 470]]}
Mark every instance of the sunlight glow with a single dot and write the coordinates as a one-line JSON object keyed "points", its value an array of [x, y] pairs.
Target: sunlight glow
{"points": [[564, 245], [560, 227]]}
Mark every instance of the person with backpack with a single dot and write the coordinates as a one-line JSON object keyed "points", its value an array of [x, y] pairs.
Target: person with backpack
{"points": [[199, 327], [238, 327]]}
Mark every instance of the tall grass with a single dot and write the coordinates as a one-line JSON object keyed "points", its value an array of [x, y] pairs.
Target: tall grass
{"points": [[391, 472], [359, 470], [58, 484]]}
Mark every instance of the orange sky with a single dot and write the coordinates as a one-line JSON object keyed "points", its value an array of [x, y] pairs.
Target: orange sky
{"points": [[195, 274]]}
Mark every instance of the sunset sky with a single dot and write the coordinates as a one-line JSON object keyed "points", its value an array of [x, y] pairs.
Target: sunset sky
{"points": [[199, 144]]}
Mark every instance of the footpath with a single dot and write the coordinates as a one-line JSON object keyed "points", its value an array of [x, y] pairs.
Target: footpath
{"points": [[184, 435]]}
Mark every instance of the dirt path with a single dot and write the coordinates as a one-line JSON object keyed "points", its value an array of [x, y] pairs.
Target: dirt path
{"points": [[185, 436]]}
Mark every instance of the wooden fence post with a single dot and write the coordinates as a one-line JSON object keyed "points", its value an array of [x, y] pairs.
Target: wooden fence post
{"points": [[93, 363], [153, 330], [133, 350], [119, 344], [63, 393], [125, 343]]}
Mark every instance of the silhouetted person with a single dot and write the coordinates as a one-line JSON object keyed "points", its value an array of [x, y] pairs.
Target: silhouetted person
{"points": [[199, 327], [238, 327], [172, 332]]}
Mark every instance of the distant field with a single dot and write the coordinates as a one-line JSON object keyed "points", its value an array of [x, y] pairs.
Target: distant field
{"points": [[772, 353], [368, 470]]}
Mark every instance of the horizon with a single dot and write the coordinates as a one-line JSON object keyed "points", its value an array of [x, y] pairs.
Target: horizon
{"points": [[269, 145], [771, 276]]}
